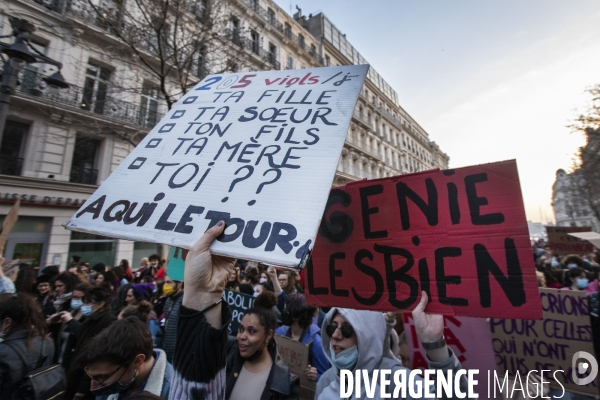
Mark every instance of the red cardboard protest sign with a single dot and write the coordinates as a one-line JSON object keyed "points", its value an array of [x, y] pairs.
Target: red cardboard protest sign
{"points": [[459, 235]]}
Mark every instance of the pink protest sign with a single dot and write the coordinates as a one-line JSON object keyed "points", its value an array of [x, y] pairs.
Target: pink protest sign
{"points": [[469, 339]]}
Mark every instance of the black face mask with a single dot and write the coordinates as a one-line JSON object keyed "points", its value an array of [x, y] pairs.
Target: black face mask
{"points": [[254, 356]]}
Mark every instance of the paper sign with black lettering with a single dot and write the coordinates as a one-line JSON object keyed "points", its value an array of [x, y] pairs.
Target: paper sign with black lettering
{"points": [[460, 235], [239, 303], [551, 344], [295, 355], [258, 150], [561, 242]]}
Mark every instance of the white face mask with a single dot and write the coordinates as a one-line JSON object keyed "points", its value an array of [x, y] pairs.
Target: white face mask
{"points": [[263, 280]]}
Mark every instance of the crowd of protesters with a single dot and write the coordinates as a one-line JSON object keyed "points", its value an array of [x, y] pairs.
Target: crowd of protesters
{"points": [[123, 333]]}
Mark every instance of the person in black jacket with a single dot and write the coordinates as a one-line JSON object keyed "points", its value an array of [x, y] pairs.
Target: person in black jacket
{"points": [[202, 335], [98, 316], [252, 368], [45, 299], [24, 346]]}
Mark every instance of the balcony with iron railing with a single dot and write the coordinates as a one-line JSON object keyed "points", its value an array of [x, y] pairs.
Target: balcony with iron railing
{"points": [[88, 176], [364, 147], [53, 5], [264, 14], [74, 97], [10, 165], [236, 38], [363, 118]]}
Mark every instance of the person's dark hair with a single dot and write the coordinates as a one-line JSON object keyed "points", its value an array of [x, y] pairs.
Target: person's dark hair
{"points": [[141, 311], [124, 264], [98, 294], [52, 270], [76, 258], [83, 287], [25, 314], [147, 279], [123, 293], [159, 283], [119, 273], [69, 280], [42, 279], [154, 257], [251, 276], [574, 273], [118, 344], [550, 277], [109, 277], [246, 289], [573, 259], [297, 308], [263, 310], [26, 279], [100, 267], [291, 286]]}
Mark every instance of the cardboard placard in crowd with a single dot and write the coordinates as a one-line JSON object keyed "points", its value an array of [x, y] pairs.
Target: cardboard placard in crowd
{"points": [[549, 344], [10, 269], [561, 242], [176, 263], [296, 355], [258, 150], [470, 341], [9, 222], [460, 235], [239, 303]]}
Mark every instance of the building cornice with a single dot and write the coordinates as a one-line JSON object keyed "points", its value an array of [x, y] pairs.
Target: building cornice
{"points": [[47, 184]]}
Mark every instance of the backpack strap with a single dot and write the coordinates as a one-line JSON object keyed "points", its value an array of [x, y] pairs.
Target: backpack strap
{"points": [[41, 359]]}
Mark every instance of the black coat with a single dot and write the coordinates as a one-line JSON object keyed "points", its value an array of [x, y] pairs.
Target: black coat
{"points": [[12, 368], [77, 379], [281, 385]]}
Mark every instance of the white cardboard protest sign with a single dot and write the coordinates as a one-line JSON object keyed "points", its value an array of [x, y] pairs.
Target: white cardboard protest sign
{"points": [[256, 149]]}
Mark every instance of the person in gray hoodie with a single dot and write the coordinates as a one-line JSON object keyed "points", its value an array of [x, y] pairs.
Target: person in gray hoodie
{"points": [[356, 339]]}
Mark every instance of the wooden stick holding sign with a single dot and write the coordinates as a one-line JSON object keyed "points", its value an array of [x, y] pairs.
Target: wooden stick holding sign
{"points": [[10, 268], [295, 355]]}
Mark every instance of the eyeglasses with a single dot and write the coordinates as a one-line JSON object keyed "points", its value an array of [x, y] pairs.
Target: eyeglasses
{"points": [[99, 383], [346, 329]]}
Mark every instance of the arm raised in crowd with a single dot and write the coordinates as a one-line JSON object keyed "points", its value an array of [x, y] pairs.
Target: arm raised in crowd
{"points": [[200, 350], [206, 276]]}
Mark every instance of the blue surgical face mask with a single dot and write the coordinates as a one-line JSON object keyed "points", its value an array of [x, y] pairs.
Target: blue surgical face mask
{"points": [[571, 265], [255, 294], [347, 359], [554, 263], [582, 283], [86, 311], [76, 304]]}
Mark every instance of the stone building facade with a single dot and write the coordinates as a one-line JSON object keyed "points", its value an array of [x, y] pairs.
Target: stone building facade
{"points": [[570, 207], [59, 145]]}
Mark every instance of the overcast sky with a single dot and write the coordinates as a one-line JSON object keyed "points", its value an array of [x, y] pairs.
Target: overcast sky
{"points": [[489, 81]]}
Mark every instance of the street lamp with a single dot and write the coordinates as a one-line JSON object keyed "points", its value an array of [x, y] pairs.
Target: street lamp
{"points": [[15, 57]]}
